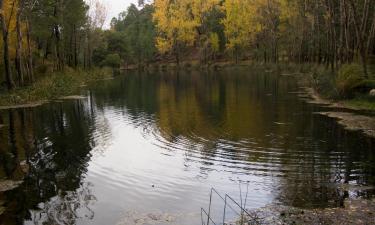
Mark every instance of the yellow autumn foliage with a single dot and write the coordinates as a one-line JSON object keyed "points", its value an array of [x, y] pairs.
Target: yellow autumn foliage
{"points": [[177, 21], [10, 8]]}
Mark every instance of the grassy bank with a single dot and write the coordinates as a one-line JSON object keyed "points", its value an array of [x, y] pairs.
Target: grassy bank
{"points": [[361, 102], [348, 86], [53, 86]]}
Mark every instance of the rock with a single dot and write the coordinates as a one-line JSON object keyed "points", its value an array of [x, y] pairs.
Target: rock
{"points": [[24, 166], [6, 185], [372, 93]]}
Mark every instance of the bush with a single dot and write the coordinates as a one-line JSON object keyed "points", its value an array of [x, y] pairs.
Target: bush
{"points": [[53, 86], [349, 77], [112, 60], [324, 82]]}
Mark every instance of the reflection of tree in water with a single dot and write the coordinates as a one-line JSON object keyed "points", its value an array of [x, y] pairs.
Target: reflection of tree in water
{"points": [[66, 207], [329, 167], [56, 141], [250, 124]]}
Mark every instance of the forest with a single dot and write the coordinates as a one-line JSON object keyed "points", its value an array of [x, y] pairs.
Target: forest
{"points": [[42, 37], [187, 112]]}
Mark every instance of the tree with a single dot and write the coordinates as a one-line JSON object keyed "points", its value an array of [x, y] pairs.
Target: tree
{"points": [[179, 23], [132, 35], [6, 15], [239, 24], [112, 60]]}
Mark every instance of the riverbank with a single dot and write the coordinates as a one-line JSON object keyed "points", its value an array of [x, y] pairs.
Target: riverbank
{"points": [[354, 114], [354, 211], [346, 88], [359, 103], [51, 87], [317, 81]]}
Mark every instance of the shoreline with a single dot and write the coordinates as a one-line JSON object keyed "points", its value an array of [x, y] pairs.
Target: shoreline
{"points": [[329, 103], [58, 87], [352, 121], [354, 211]]}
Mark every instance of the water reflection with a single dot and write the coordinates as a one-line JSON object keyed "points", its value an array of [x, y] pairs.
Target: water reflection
{"points": [[88, 161], [49, 148]]}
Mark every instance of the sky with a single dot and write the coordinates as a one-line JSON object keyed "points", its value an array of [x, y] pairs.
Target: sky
{"points": [[115, 7]]}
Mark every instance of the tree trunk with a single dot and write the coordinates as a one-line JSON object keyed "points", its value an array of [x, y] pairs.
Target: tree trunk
{"points": [[29, 53], [8, 72], [75, 47], [360, 33], [19, 46], [58, 35]]}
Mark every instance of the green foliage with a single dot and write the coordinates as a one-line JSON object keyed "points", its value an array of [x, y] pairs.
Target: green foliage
{"points": [[362, 102], [348, 78], [214, 42], [133, 35], [112, 60], [117, 43], [99, 55], [53, 86], [214, 26], [324, 82]]}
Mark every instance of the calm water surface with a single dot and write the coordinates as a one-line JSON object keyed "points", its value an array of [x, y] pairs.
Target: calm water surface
{"points": [[157, 143]]}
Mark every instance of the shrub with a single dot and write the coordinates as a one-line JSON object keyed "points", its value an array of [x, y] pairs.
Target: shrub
{"points": [[112, 60], [348, 78], [324, 82]]}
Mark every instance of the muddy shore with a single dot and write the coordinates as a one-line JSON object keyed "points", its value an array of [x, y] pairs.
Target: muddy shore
{"points": [[351, 120]]}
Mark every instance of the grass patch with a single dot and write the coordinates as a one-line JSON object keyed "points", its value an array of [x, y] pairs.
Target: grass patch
{"points": [[348, 78], [361, 102], [324, 82], [53, 86]]}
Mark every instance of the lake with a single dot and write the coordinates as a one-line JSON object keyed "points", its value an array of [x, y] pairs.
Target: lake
{"points": [[152, 145]]}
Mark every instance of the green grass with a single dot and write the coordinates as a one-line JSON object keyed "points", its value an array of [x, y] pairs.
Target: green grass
{"points": [[53, 86], [346, 87], [361, 102]]}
